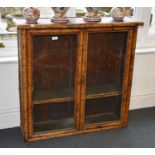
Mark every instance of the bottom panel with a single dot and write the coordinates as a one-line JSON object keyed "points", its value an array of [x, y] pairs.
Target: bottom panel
{"points": [[102, 110], [67, 132], [53, 116]]}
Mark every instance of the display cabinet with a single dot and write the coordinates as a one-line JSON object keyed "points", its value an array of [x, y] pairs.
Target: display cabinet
{"points": [[74, 78]]}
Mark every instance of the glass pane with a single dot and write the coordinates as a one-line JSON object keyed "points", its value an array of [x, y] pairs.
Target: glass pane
{"points": [[54, 66], [53, 116], [102, 110], [105, 62]]}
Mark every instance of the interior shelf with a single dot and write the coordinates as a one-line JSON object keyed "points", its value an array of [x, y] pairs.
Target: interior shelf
{"points": [[111, 94], [56, 100], [65, 95], [102, 89], [53, 96], [54, 124], [101, 118]]}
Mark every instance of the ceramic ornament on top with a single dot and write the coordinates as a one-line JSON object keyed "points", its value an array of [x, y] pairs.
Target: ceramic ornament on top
{"points": [[93, 15], [31, 14], [60, 15]]}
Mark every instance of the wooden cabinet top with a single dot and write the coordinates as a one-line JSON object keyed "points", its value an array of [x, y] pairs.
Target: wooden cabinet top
{"points": [[77, 23]]}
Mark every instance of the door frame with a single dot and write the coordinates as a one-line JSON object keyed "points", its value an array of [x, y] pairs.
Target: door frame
{"points": [[29, 37], [127, 76]]}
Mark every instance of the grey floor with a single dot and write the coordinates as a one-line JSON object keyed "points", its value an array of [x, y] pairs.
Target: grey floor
{"points": [[139, 133]]}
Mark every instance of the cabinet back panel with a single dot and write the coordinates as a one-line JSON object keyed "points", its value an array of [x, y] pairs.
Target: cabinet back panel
{"points": [[105, 61], [54, 65]]}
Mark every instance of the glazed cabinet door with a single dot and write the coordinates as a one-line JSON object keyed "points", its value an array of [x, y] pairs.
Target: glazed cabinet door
{"points": [[106, 65], [54, 66]]}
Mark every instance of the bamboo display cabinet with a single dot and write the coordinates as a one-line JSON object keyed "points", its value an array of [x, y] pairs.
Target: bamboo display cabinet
{"points": [[74, 78]]}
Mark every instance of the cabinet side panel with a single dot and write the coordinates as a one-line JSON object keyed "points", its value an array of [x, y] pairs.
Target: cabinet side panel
{"points": [[129, 74], [22, 81]]}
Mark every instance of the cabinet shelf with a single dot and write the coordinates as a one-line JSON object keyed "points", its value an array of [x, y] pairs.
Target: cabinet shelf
{"points": [[54, 125], [101, 118], [66, 99], [56, 100], [98, 89], [115, 93], [42, 97], [53, 96], [106, 90]]}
